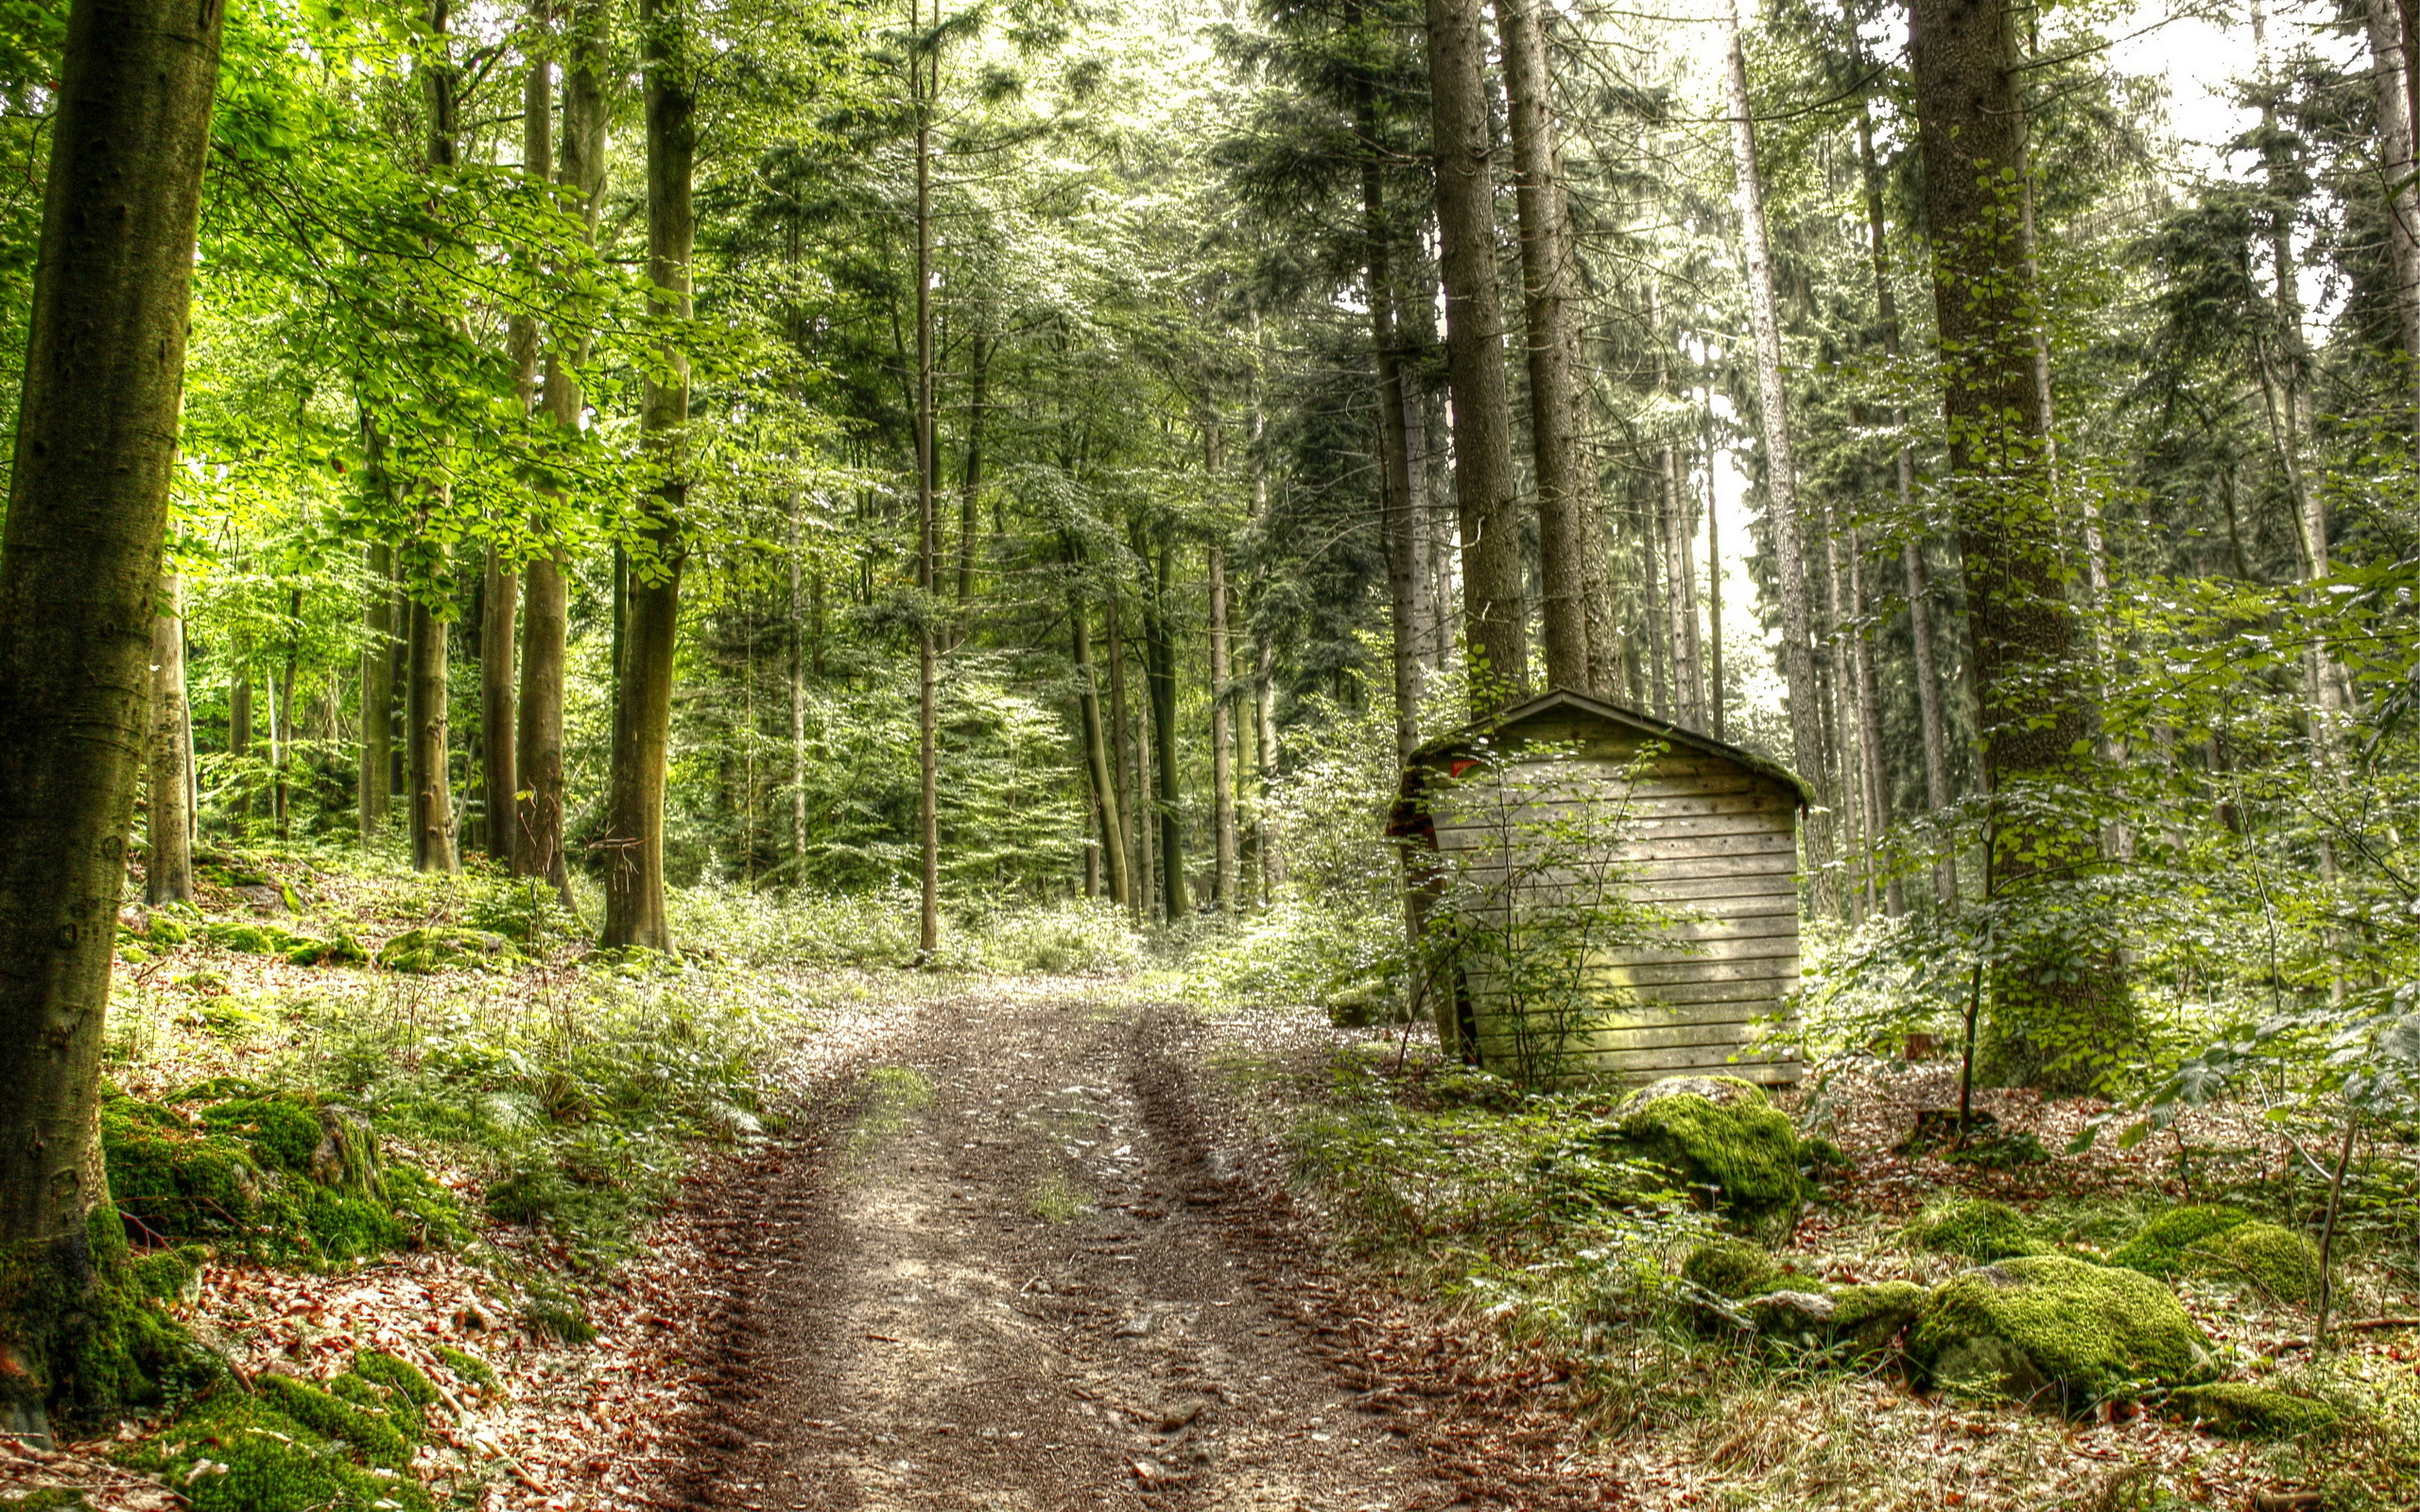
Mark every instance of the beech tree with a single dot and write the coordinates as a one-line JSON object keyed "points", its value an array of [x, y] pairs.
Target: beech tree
{"points": [[79, 585]]}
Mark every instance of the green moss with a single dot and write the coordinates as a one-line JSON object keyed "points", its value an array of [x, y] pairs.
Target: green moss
{"points": [[247, 1453], [367, 1429], [2281, 1263], [96, 1344], [441, 948], [1733, 1270], [282, 1131], [2042, 1323], [2238, 1409], [557, 1314], [1868, 1317], [467, 1367], [168, 1275], [1975, 1229], [397, 1374], [248, 938], [1719, 1136], [168, 933], [341, 951], [1821, 1159], [278, 1174], [2159, 1249]]}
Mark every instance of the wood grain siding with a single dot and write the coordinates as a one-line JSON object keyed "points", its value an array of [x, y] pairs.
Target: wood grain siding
{"points": [[1710, 837]]}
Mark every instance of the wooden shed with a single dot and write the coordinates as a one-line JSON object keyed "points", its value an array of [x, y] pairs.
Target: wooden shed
{"points": [[1703, 831]]}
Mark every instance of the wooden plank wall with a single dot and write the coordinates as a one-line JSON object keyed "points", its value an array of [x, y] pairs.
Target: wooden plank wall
{"points": [[1700, 833]]}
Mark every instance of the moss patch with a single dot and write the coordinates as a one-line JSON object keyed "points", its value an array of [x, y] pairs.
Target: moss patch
{"points": [[467, 1367], [1975, 1229], [2041, 1323], [1733, 1270], [443, 947], [87, 1326], [1720, 1138], [279, 1175], [2281, 1263], [294, 1446], [1868, 1317], [2238, 1409], [2159, 1248]]}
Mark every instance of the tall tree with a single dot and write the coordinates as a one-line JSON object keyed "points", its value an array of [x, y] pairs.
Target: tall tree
{"points": [[80, 568], [374, 784], [1569, 532], [538, 762], [1485, 493], [426, 746], [1781, 473], [924, 74], [634, 906], [168, 866], [2060, 1016]]}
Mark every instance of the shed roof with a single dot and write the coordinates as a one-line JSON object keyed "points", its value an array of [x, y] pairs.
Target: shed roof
{"points": [[1426, 761]]}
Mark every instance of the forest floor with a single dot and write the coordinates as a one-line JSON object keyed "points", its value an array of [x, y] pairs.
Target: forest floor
{"points": [[1014, 1260], [1038, 1242]]}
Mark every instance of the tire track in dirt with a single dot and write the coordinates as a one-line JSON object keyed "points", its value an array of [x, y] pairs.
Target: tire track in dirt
{"points": [[1007, 1272]]}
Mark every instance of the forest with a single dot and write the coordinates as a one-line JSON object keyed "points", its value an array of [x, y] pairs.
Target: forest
{"points": [[1209, 752]]}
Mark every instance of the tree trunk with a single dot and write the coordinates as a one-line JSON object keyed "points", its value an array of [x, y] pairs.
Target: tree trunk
{"points": [[499, 595], [1869, 728], [80, 571], [1714, 697], [1781, 479], [1128, 767], [1688, 697], [281, 736], [970, 478], [1920, 624], [167, 869], [634, 908], [239, 708], [1484, 490], [1222, 763], [1161, 648], [545, 619], [1659, 626], [923, 70], [798, 697], [1395, 503], [376, 781], [425, 745], [1097, 762], [2393, 91], [1567, 515], [2060, 1017]]}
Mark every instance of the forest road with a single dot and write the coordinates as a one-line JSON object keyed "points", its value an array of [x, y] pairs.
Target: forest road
{"points": [[1010, 1272]]}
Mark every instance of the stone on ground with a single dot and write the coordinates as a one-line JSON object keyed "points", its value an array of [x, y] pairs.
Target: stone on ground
{"points": [[2039, 1324], [1975, 1229], [1721, 1139], [2158, 1250]]}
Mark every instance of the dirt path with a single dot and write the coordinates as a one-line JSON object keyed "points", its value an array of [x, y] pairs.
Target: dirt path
{"points": [[1005, 1275]]}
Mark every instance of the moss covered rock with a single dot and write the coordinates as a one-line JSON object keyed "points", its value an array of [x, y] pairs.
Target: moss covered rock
{"points": [[2280, 1263], [2039, 1324], [281, 1175], [2159, 1249], [1731, 1269], [1975, 1229], [443, 947], [1867, 1317], [2238, 1409], [1719, 1138]]}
